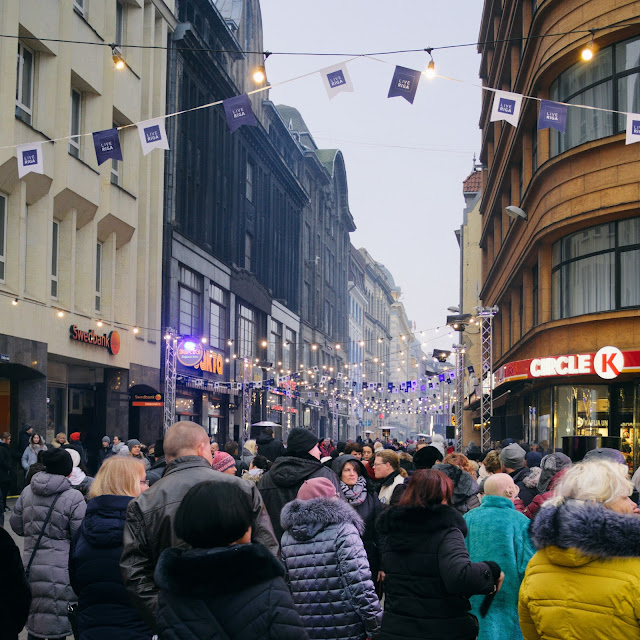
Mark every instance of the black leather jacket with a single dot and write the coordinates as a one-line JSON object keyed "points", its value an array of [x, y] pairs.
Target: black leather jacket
{"points": [[149, 529]]}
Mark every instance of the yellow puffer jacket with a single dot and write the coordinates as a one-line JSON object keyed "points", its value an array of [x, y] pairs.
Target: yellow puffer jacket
{"points": [[587, 585]]}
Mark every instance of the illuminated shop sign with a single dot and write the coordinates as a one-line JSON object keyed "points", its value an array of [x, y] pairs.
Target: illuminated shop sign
{"points": [[189, 352], [608, 363], [110, 342]]}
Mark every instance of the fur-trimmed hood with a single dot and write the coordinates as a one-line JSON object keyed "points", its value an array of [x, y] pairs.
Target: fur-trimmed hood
{"points": [[203, 573], [588, 528], [303, 519], [421, 520], [531, 481], [464, 486]]}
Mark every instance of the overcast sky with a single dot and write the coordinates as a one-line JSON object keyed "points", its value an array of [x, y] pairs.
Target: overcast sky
{"points": [[405, 163]]}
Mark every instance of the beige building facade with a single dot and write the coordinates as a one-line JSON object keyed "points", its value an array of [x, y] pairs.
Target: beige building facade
{"points": [[80, 269]]}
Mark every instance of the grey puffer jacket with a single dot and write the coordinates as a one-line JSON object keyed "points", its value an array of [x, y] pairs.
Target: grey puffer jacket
{"points": [[49, 575], [328, 571]]}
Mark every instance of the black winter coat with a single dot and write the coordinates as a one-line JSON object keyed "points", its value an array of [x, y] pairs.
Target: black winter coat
{"points": [[15, 594], [280, 484], [5, 464], [157, 469], [270, 448], [229, 593], [429, 576], [526, 494], [104, 607]]}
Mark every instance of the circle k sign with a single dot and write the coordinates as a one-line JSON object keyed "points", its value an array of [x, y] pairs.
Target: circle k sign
{"points": [[608, 362]]}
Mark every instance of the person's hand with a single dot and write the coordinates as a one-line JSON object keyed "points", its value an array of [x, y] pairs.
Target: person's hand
{"points": [[500, 581], [381, 576]]}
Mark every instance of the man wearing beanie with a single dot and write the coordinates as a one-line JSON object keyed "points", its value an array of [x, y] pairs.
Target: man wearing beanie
{"points": [[105, 451], [301, 462], [134, 450], [48, 574], [224, 462], [512, 462]]}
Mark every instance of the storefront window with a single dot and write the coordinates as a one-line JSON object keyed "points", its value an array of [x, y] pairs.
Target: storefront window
{"points": [[581, 411], [609, 81], [596, 269]]}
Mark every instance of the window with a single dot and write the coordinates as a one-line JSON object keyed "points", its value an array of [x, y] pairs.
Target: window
{"points": [[99, 276], [275, 343], [54, 258], [78, 5], [534, 150], [289, 351], [24, 84], [596, 269], [609, 81], [248, 246], [115, 166], [534, 295], [119, 24], [3, 236], [217, 316], [75, 122], [190, 286], [249, 186], [246, 331], [521, 309]]}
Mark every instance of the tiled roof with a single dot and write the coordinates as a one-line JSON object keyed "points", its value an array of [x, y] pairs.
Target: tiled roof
{"points": [[473, 183]]}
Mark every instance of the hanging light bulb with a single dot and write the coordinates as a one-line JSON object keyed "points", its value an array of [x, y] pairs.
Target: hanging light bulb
{"points": [[136, 330], [14, 302], [588, 51], [431, 70], [118, 61]]}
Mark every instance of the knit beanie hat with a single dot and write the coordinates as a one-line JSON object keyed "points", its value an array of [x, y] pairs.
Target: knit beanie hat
{"points": [[223, 461], [75, 436], [75, 456], [133, 443], [550, 465], [317, 488], [106, 439], [512, 456], [426, 457], [57, 461], [301, 440]]}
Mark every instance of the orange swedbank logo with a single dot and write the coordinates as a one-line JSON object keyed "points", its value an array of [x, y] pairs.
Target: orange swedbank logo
{"points": [[110, 342]]}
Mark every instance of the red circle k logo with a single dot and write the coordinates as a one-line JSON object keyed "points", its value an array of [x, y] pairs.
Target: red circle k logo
{"points": [[608, 363]]}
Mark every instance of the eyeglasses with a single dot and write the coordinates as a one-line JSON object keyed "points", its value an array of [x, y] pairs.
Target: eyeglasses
{"points": [[144, 482]]}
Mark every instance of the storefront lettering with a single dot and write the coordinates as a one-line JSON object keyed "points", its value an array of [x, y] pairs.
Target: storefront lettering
{"points": [[211, 362], [110, 342], [562, 365]]}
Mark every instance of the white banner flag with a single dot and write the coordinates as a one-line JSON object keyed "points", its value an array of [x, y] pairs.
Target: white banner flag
{"points": [[633, 128], [336, 79], [152, 135], [506, 106], [30, 159]]}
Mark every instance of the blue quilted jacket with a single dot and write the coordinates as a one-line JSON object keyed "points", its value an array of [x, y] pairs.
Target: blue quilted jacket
{"points": [[328, 571]]}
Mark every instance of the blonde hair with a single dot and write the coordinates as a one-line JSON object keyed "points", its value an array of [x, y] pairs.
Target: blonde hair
{"points": [[491, 462], [251, 446], [390, 456], [593, 481], [118, 476], [459, 460]]}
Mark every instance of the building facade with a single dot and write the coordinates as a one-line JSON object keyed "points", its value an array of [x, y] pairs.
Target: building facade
{"points": [[80, 270], [565, 279]]}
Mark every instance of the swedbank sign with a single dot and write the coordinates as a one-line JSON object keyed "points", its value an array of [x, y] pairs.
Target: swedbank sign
{"points": [[110, 342]]}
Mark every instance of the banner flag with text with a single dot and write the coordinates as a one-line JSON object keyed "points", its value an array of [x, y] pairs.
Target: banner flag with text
{"points": [[107, 145], [506, 106], [30, 159], [404, 83], [153, 135], [633, 128], [552, 115], [238, 111], [336, 80]]}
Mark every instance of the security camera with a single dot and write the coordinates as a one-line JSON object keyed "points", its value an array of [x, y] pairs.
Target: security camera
{"points": [[515, 212]]}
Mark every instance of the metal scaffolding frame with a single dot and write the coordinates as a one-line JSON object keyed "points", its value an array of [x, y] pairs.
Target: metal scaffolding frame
{"points": [[458, 349], [486, 315], [247, 392], [170, 373]]}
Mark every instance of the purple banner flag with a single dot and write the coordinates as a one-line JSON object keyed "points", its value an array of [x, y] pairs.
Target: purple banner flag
{"points": [[404, 83], [238, 111], [107, 145], [552, 115]]}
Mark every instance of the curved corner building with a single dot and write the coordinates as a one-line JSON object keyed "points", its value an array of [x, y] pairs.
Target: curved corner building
{"points": [[566, 279]]}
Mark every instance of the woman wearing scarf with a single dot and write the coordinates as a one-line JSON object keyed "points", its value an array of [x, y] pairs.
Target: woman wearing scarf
{"points": [[30, 455], [79, 479], [358, 492]]}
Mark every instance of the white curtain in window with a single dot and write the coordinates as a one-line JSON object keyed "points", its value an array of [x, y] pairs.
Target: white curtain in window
{"points": [[629, 280], [589, 285]]}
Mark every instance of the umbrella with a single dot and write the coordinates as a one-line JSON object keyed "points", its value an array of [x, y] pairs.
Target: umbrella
{"points": [[265, 423]]}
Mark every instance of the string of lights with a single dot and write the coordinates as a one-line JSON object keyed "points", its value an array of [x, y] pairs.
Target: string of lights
{"points": [[479, 43]]}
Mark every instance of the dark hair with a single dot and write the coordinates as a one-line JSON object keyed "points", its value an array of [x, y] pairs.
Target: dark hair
{"points": [[213, 514], [353, 446], [427, 487], [158, 448], [340, 447], [260, 462], [267, 431], [232, 447]]}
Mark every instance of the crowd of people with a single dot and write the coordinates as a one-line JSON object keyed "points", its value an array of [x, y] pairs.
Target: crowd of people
{"points": [[320, 540]]}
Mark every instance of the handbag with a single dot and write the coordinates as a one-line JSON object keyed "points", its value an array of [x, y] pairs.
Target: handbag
{"points": [[44, 526]]}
